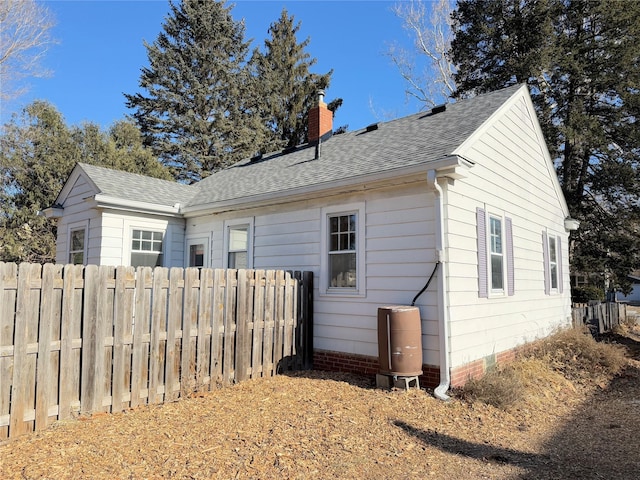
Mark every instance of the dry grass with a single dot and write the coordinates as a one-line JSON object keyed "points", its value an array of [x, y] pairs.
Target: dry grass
{"points": [[333, 426], [545, 367]]}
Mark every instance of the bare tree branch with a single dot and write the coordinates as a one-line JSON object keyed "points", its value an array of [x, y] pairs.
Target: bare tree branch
{"points": [[24, 39], [429, 23]]}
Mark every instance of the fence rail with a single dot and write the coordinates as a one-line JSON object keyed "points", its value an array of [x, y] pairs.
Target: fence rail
{"points": [[599, 317], [76, 340]]}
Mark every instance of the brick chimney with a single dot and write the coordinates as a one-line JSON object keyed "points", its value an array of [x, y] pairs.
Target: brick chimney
{"points": [[320, 119]]}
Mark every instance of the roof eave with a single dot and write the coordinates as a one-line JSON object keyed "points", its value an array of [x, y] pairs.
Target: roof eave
{"points": [[450, 166], [114, 203]]}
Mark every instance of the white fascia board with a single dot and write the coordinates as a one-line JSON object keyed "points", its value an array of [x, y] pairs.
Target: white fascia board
{"points": [[105, 201], [53, 212], [447, 166]]}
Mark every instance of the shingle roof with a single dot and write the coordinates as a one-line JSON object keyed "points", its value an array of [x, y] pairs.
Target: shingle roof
{"points": [[413, 140], [135, 187]]}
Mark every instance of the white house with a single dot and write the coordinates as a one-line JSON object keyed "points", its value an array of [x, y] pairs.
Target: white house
{"points": [[468, 188]]}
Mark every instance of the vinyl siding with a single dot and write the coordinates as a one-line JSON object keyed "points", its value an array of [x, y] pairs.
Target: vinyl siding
{"points": [[76, 213], [512, 177], [399, 257]]}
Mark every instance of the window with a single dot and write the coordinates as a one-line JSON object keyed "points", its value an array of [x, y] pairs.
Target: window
{"points": [[146, 248], [495, 254], [497, 264], [238, 247], [197, 252], [552, 257], [196, 255], [342, 251], [342, 248], [553, 263], [76, 246]]}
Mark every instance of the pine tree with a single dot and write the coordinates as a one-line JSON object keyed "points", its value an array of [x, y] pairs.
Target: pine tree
{"points": [[580, 59], [38, 152], [287, 87], [200, 111]]}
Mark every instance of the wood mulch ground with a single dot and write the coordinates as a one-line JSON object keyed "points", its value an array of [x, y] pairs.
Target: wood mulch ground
{"points": [[321, 425]]}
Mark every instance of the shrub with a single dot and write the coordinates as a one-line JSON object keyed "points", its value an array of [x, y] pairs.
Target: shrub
{"points": [[587, 293]]}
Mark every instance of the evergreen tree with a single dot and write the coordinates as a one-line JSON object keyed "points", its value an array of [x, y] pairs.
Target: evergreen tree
{"points": [[38, 152], [287, 88], [580, 59], [200, 111]]}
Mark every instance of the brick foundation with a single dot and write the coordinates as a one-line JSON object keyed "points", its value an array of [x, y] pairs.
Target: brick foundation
{"points": [[365, 365], [430, 378], [476, 369]]}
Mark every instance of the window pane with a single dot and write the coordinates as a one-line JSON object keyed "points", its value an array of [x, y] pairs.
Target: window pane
{"points": [[496, 272], [334, 242], [352, 223], [136, 234], [76, 258], [146, 235], [554, 275], [77, 240], [333, 224], [196, 255], [344, 223], [344, 241], [146, 259], [342, 270], [496, 235], [238, 260], [238, 239], [352, 241], [146, 246], [157, 246], [552, 249], [157, 236]]}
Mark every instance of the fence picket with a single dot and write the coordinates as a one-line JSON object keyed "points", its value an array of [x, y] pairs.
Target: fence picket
{"points": [[93, 339], [43, 368], [172, 363], [228, 346], [8, 290]]}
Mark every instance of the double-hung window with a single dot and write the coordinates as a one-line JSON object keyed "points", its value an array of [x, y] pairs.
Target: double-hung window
{"points": [[146, 248], [552, 257], [238, 246], [342, 251], [496, 252], [238, 243], [342, 248], [496, 275], [77, 246]]}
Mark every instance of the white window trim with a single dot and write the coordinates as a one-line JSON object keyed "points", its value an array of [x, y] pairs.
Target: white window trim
{"points": [[72, 227], [195, 240], [549, 289], [238, 222], [359, 210], [147, 229], [496, 292]]}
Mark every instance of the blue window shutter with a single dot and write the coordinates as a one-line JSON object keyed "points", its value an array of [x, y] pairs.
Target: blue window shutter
{"points": [[545, 254], [509, 251], [483, 281], [560, 277]]}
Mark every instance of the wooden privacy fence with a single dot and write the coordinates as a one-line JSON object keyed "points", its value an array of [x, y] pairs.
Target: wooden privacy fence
{"points": [[77, 339], [599, 317]]}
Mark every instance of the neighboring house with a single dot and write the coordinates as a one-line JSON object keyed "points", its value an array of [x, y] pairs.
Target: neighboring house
{"points": [[371, 213], [634, 296]]}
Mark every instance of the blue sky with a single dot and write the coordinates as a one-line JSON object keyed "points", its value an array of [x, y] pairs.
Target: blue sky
{"points": [[100, 52]]}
